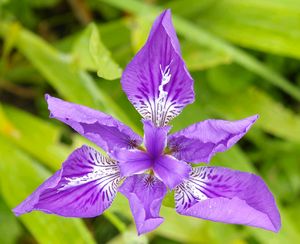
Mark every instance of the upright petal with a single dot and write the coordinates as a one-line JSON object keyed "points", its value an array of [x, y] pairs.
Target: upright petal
{"points": [[155, 138], [199, 142], [156, 81], [228, 196], [165, 19], [170, 170], [102, 129], [132, 161], [84, 187], [145, 194]]}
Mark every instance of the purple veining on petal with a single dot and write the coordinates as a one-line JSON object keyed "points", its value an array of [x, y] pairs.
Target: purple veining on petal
{"points": [[145, 194], [156, 81], [229, 196], [102, 129], [84, 187], [200, 141]]}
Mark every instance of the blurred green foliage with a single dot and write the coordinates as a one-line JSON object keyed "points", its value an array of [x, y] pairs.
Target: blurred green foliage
{"points": [[243, 55]]}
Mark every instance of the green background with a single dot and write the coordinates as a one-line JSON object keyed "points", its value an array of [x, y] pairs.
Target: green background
{"points": [[244, 58]]}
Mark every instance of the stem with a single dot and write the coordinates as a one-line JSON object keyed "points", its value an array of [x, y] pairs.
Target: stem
{"points": [[115, 221]]}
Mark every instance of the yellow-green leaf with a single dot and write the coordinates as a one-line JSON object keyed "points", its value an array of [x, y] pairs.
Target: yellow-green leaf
{"points": [[106, 67]]}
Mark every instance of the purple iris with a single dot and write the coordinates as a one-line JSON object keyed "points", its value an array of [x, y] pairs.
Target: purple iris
{"points": [[159, 86]]}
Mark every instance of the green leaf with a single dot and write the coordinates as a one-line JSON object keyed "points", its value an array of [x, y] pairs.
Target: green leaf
{"points": [[221, 79], [294, 212], [189, 8], [106, 67], [8, 44], [91, 54], [20, 175], [35, 136], [10, 40], [72, 83], [268, 25], [2, 2], [57, 68], [130, 237], [280, 165], [10, 229], [274, 118], [198, 57], [140, 29], [169, 200], [6, 127], [42, 4], [119, 44], [80, 51], [185, 229]]}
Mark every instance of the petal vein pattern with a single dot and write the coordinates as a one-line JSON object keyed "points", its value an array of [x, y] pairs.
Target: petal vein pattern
{"points": [[84, 187], [156, 81], [228, 196], [103, 170]]}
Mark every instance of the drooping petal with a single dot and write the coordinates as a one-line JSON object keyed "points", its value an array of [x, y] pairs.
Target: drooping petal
{"points": [[84, 187], [132, 161], [228, 196], [145, 194], [170, 170], [156, 81], [155, 138], [199, 142], [102, 129]]}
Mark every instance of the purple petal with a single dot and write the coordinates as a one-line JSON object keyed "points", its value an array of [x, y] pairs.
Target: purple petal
{"points": [[155, 138], [165, 19], [28, 204], [102, 129], [156, 81], [145, 194], [84, 187], [170, 170], [228, 196], [132, 161], [199, 142]]}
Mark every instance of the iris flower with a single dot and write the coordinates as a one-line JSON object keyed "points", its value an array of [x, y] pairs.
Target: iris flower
{"points": [[159, 86]]}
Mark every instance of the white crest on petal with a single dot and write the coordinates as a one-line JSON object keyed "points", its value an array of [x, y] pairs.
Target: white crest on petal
{"points": [[160, 110], [191, 190], [162, 97]]}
